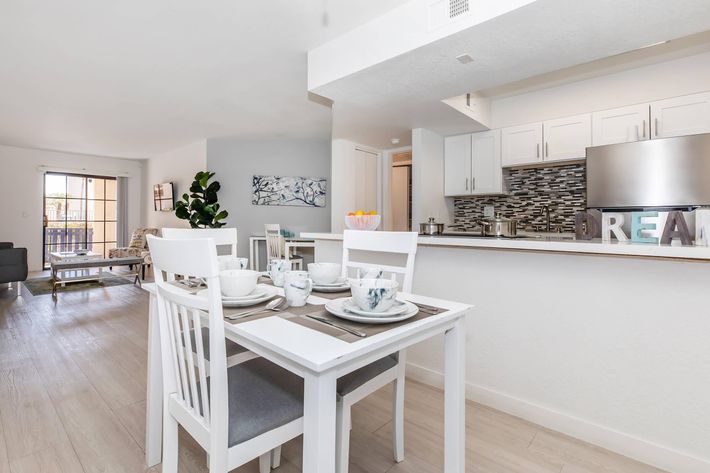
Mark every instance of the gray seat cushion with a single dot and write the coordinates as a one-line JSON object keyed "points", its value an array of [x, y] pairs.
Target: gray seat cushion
{"points": [[232, 348], [351, 381], [262, 397]]}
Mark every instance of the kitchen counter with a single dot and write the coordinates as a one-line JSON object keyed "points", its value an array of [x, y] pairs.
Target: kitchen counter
{"points": [[554, 244], [604, 341]]}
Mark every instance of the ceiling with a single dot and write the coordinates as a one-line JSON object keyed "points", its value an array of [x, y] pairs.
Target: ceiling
{"points": [[136, 78], [388, 99]]}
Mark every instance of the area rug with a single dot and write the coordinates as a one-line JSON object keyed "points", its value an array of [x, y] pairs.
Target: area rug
{"points": [[42, 286]]}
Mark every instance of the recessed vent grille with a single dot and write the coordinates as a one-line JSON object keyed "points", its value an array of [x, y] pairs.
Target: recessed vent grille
{"points": [[457, 8], [446, 12]]}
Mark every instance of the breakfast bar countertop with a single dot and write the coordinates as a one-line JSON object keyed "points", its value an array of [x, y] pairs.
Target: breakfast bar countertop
{"points": [[554, 244]]}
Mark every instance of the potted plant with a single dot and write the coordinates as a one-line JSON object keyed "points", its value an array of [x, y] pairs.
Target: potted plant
{"points": [[200, 207]]}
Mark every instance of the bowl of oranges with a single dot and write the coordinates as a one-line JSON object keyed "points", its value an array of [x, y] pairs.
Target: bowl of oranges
{"points": [[361, 220]]}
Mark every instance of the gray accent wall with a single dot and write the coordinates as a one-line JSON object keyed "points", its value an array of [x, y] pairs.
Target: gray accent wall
{"points": [[236, 160]]}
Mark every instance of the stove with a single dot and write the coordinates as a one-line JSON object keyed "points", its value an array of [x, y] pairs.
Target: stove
{"points": [[475, 235]]}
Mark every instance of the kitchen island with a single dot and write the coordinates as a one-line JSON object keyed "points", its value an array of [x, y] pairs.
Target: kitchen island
{"points": [[607, 342]]}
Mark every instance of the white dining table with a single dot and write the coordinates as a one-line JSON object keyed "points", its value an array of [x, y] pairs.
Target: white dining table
{"points": [[290, 245], [321, 359]]}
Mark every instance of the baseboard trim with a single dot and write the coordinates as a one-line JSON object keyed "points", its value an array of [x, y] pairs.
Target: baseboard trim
{"points": [[619, 442]]}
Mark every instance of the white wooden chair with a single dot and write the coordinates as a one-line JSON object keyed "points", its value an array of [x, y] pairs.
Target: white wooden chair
{"points": [[222, 237], [361, 383], [276, 246], [236, 414]]}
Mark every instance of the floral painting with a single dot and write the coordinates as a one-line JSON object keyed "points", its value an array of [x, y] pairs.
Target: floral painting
{"points": [[287, 190]]}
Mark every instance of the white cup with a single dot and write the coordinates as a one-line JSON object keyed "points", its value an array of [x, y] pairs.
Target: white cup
{"points": [[324, 273], [238, 282], [229, 262], [277, 269], [374, 295], [297, 288], [370, 273]]}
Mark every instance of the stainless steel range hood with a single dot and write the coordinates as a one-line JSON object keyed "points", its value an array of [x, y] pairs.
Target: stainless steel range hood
{"points": [[664, 173]]}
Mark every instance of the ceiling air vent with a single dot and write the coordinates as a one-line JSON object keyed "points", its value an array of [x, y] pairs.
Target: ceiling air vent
{"points": [[444, 12], [457, 8]]}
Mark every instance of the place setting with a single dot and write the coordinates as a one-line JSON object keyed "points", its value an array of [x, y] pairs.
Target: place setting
{"points": [[327, 278], [372, 301]]}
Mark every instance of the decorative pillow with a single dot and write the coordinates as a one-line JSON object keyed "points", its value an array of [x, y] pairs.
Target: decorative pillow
{"points": [[137, 239]]}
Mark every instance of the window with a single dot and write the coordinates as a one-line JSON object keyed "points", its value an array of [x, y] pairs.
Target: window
{"points": [[80, 212]]}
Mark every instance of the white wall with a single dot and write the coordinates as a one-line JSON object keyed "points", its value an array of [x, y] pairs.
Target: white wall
{"points": [[428, 179], [644, 84], [356, 176], [23, 185], [179, 167], [235, 161]]}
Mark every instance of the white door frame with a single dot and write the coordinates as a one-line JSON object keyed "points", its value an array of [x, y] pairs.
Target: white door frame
{"points": [[386, 172]]}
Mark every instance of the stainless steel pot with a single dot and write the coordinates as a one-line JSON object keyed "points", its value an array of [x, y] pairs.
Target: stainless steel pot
{"points": [[431, 227], [499, 226]]}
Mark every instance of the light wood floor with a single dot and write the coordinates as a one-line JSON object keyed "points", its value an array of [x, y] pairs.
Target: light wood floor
{"points": [[72, 399]]}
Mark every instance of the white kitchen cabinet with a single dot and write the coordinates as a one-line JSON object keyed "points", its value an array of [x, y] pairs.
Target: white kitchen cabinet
{"points": [[679, 116], [486, 170], [567, 138], [472, 164], [521, 145], [621, 125], [457, 165]]}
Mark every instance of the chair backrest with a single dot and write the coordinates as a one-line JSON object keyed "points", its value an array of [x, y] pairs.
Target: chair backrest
{"points": [[181, 319], [381, 242], [274, 241], [221, 236]]}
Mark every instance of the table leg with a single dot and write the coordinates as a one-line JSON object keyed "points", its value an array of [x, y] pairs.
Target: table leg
{"points": [[154, 396], [101, 275], [287, 251], [455, 399], [319, 423], [251, 255]]}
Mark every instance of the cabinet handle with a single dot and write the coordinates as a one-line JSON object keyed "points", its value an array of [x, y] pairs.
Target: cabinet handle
{"points": [[643, 129], [656, 124], [638, 135], [466, 183], [473, 183], [537, 153], [547, 149]]}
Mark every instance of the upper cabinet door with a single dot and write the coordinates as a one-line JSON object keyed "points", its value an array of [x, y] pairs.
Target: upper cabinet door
{"points": [[567, 138], [687, 115], [457, 165], [486, 163], [521, 144], [621, 125]]}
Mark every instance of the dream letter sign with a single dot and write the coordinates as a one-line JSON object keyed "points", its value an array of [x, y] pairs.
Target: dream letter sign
{"points": [[676, 227], [639, 225], [611, 223]]}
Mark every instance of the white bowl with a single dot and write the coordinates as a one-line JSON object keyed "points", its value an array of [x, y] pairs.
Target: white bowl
{"points": [[374, 295], [238, 282], [324, 273], [362, 222]]}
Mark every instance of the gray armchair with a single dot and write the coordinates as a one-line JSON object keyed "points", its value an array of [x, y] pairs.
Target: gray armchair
{"points": [[13, 264]]}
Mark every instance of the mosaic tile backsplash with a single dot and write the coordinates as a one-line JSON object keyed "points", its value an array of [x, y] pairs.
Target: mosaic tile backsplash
{"points": [[562, 188]]}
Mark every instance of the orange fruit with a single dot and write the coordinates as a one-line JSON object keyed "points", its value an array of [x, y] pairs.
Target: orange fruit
{"points": [[350, 214], [373, 212], [359, 212]]}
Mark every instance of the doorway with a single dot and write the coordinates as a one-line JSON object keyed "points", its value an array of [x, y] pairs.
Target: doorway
{"points": [[401, 191], [80, 211]]}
